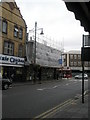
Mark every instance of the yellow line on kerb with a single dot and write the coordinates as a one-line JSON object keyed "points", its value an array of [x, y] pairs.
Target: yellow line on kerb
{"points": [[54, 109]]}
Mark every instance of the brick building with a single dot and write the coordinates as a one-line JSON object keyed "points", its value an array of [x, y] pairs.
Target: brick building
{"points": [[12, 39]]}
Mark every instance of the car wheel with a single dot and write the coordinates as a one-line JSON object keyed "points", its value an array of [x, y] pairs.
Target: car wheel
{"points": [[5, 86]]}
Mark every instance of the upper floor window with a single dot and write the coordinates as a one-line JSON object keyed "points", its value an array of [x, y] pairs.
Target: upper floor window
{"points": [[4, 26], [79, 63], [71, 64], [75, 56], [15, 31], [71, 56], [75, 63], [79, 57], [20, 51], [20, 33], [8, 48], [0, 24]]}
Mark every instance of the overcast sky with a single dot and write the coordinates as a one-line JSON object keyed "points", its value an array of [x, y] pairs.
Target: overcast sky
{"points": [[58, 23]]}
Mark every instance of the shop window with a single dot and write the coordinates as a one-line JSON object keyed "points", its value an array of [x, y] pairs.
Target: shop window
{"points": [[4, 26], [20, 51], [15, 31], [20, 33], [8, 48]]}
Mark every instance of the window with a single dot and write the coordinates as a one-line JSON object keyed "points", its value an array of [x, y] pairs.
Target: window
{"points": [[75, 63], [79, 63], [20, 33], [86, 64], [20, 51], [15, 31], [4, 26], [71, 56], [65, 62], [75, 56], [79, 57], [71, 64], [8, 48], [0, 24]]}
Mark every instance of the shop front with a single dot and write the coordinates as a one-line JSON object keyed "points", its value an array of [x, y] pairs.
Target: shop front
{"points": [[11, 65]]}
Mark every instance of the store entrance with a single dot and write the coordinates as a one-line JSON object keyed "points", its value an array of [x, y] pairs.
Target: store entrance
{"points": [[8, 72]]}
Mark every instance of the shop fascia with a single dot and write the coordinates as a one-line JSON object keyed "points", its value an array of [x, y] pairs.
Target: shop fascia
{"points": [[12, 60]]}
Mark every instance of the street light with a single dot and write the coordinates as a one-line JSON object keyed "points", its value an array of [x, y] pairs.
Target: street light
{"points": [[35, 30], [35, 40]]}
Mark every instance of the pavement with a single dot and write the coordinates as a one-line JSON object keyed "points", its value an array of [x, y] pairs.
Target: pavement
{"points": [[73, 108]]}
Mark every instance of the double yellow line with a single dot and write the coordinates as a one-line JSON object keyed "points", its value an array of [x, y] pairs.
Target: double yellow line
{"points": [[54, 109], [57, 108]]}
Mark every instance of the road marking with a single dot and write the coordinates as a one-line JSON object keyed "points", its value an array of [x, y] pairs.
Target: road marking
{"points": [[67, 84], [55, 86], [41, 89], [54, 109], [49, 88], [59, 107], [80, 80]]}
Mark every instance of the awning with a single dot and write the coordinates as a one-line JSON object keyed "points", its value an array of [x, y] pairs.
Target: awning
{"points": [[11, 65], [82, 12]]}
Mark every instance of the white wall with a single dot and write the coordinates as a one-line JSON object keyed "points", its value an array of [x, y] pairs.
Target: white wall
{"points": [[47, 56]]}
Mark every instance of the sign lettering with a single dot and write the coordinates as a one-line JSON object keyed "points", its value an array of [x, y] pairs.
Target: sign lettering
{"points": [[11, 60]]}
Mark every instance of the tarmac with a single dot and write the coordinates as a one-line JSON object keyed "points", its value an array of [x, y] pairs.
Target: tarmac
{"points": [[73, 108]]}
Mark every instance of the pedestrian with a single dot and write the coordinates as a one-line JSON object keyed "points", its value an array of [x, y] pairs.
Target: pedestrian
{"points": [[39, 75], [57, 75]]}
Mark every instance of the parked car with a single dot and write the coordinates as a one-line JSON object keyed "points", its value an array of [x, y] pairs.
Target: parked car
{"points": [[80, 76], [5, 82]]}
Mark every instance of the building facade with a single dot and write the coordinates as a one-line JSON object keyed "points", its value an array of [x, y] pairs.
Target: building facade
{"points": [[72, 59], [12, 39], [46, 57]]}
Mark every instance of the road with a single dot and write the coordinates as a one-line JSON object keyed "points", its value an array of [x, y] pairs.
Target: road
{"points": [[29, 101]]}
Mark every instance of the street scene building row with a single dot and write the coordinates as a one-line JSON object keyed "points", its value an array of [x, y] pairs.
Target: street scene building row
{"points": [[17, 53]]}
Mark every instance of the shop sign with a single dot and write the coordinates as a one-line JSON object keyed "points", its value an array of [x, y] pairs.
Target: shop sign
{"points": [[5, 59], [60, 61]]}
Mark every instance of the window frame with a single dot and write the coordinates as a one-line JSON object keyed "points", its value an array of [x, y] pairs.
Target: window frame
{"points": [[7, 49], [16, 31], [20, 51], [0, 25], [20, 33], [4, 30]]}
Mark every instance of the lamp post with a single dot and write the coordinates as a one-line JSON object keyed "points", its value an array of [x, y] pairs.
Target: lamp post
{"points": [[35, 43], [35, 49], [36, 40]]}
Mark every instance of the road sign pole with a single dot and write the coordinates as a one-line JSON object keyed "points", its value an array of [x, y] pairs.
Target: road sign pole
{"points": [[83, 71]]}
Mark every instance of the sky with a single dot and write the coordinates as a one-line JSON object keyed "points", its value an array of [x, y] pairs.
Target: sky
{"points": [[60, 27]]}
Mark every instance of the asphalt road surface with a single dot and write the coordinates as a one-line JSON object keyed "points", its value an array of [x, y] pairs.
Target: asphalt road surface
{"points": [[29, 101]]}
